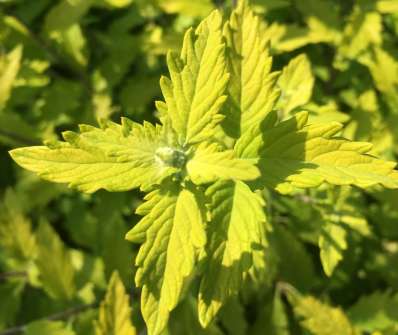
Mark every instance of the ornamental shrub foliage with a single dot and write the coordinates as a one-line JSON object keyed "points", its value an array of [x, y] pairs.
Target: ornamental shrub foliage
{"points": [[257, 183]]}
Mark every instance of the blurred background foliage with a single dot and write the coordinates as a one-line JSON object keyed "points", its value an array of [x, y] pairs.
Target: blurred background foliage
{"points": [[333, 256]]}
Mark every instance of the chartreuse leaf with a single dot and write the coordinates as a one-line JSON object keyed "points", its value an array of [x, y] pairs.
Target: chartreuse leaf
{"points": [[338, 215], [292, 153], [387, 6], [114, 311], [210, 164], [62, 25], [116, 158], [236, 231], [198, 77], [319, 318], [17, 242], [197, 8], [364, 28], [384, 70], [173, 230], [251, 88], [48, 328], [332, 243], [9, 67], [116, 3], [296, 83], [55, 264]]}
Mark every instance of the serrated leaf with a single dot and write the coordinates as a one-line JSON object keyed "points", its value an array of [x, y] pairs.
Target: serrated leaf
{"points": [[332, 243], [296, 83], [210, 164], [9, 67], [117, 158], [293, 153], [236, 231], [174, 234], [251, 88], [114, 311], [48, 328], [55, 264], [319, 318], [198, 77]]}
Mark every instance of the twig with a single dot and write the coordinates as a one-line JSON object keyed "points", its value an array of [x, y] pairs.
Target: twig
{"points": [[57, 316]]}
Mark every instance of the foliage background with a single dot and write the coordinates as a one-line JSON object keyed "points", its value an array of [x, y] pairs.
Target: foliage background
{"points": [[67, 62]]}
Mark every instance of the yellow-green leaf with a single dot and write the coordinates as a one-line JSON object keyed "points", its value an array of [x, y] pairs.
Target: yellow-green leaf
{"points": [[332, 243], [114, 310], [251, 88], [174, 234], [9, 67], [55, 264], [321, 319], [209, 164], [292, 153], [198, 77], [236, 233], [117, 158], [48, 328], [296, 83]]}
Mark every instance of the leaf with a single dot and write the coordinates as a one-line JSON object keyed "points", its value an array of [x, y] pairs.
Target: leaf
{"points": [[209, 164], [17, 242], [114, 311], [251, 88], [319, 318], [232, 317], [174, 234], [184, 320], [116, 3], [66, 13], [55, 264], [364, 29], [272, 317], [376, 311], [198, 8], [387, 6], [10, 302], [384, 70], [117, 158], [294, 262], [194, 94], [62, 25], [292, 153], [332, 243], [236, 232], [9, 67], [296, 83], [48, 328]]}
